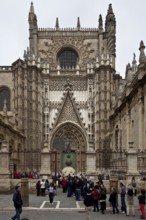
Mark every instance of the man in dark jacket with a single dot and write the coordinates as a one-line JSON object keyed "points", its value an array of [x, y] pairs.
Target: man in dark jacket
{"points": [[113, 200], [17, 203]]}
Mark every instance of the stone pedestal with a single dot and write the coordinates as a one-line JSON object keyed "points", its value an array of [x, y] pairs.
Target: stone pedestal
{"points": [[25, 192], [45, 162], [4, 161], [132, 162]]}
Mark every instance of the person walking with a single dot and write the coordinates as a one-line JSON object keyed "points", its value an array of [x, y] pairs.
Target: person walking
{"points": [[17, 200], [141, 199], [51, 190]]}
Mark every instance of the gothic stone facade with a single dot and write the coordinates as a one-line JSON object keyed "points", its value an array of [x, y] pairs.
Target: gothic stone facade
{"points": [[72, 107]]}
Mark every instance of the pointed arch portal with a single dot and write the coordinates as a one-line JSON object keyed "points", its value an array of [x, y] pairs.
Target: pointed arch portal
{"points": [[68, 148]]}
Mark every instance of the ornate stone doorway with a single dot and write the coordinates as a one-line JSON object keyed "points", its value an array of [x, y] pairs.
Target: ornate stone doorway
{"points": [[68, 148]]}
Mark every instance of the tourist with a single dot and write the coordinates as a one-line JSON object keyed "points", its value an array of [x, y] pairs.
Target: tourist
{"points": [[64, 184], [130, 200], [123, 194], [38, 187], [17, 203], [43, 187], [113, 199], [95, 195], [102, 200], [141, 199], [51, 190]]}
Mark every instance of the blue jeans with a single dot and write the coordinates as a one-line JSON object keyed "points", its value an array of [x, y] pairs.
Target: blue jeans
{"points": [[18, 212], [123, 204], [95, 205], [78, 194], [114, 207]]}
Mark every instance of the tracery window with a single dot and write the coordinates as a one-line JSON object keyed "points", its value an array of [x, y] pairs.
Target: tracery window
{"points": [[68, 58], [4, 97]]}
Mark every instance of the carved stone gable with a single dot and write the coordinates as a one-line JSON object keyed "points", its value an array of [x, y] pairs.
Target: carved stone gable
{"points": [[68, 112]]}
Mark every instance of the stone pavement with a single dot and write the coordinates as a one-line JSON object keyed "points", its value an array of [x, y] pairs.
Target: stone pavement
{"points": [[64, 208]]}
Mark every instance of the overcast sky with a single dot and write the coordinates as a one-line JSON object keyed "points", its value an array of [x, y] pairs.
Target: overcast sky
{"points": [[130, 18]]}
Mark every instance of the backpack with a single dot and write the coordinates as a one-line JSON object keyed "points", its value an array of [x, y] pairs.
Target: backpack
{"points": [[130, 192]]}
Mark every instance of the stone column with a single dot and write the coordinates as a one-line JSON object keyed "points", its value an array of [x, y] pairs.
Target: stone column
{"points": [[131, 162], [25, 192], [45, 161]]}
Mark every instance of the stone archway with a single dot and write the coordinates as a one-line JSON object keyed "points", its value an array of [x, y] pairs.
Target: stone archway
{"points": [[72, 152]]}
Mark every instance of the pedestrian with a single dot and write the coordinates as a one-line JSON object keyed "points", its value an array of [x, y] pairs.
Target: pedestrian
{"points": [[130, 200], [64, 184], [123, 194], [38, 187], [102, 200], [141, 199], [51, 190], [43, 187], [113, 199], [17, 203], [95, 195]]}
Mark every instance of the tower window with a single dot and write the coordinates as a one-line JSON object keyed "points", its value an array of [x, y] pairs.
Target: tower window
{"points": [[4, 98], [67, 58]]}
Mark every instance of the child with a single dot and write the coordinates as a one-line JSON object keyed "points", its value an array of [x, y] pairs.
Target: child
{"points": [[141, 199]]}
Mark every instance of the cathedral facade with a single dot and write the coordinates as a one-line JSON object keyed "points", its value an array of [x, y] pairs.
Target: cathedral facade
{"points": [[71, 111]]}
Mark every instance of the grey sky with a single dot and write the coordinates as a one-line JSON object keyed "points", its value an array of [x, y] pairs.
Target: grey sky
{"points": [[130, 18]]}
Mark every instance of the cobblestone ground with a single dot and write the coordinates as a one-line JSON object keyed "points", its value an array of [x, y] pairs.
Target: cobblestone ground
{"points": [[64, 208]]}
